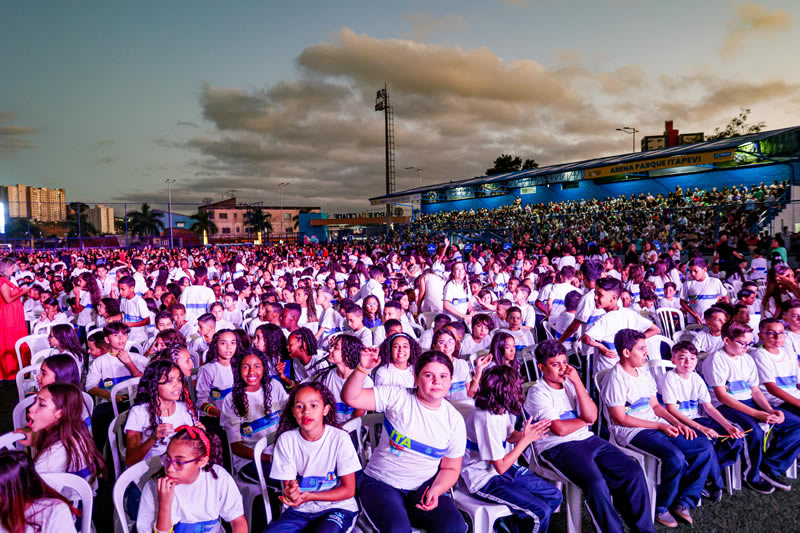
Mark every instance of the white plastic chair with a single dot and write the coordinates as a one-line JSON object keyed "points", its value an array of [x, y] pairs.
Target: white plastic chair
{"points": [[93, 331], [79, 486], [528, 361], [35, 344], [116, 442], [20, 413], [43, 329], [9, 440], [426, 319], [128, 387], [654, 345], [262, 480], [573, 496], [26, 381], [139, 474], [38, 358], [373, 422], [131, 346], [482, 514], [668, 318], [248, 489], [658, 369]]}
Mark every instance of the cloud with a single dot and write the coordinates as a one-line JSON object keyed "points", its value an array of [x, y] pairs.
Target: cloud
{"points": [[515, 3], [14, 138], [106, 160], [753, 21], [424, 24], [188, 124]]}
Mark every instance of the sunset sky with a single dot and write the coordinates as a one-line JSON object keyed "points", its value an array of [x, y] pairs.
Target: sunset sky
{"points": [[108, 99]]}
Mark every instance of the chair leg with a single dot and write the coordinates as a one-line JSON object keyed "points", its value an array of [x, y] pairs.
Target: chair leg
{"points": [[574, 501]]}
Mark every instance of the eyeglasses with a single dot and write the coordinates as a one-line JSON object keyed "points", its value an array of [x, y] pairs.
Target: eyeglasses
{"points": [[166, 461], [774, 334], [744, 345]]}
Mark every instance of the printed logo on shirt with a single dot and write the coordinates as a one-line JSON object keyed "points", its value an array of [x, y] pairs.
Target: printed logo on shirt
{"points": [[639, 405]]}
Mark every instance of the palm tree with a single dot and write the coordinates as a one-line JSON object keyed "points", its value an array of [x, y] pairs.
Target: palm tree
{"points": [[296, 218], [257, 221], [79, 223], [145, 221], [203, 223]]}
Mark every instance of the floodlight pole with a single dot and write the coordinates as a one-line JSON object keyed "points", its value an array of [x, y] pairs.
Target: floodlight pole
{"points": [[280, 188], [419, 173], [169, 183], [632, 131]]}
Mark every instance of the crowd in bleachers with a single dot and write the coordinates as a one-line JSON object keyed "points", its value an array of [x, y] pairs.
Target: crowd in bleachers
{"points": [[392, 387]]}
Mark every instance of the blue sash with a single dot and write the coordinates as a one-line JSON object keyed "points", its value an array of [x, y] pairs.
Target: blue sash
{"points": [[249, 429], [399, 443], [788, 382], [109, 383], [735, 387], [609, 345], [196, 306], [88, 306], [703, 297], [457, 386], [88, 422], [473, 446], [331, 331], [318, 483], [219, 394], [195, 527], [593, 319], [344, 409], [458, 301], [519, 347], [84, 473], [131, 318], [558, 301], [568, 415], [689, 405], [639, 405]]}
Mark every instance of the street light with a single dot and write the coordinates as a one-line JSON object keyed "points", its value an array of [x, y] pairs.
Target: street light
{"points": [[280, 188], [630, 130], [419, 173], [169, 183]]}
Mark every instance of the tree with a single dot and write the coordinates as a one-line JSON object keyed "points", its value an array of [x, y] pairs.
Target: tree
{"points": [[145, 221], [296, 218], [257, 221], [203, 223], [79, 224], [737, 127], [507, 163]]}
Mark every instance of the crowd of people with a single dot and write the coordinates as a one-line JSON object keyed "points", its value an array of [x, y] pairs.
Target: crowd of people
{"points": [[478, 360], [688, 217]]}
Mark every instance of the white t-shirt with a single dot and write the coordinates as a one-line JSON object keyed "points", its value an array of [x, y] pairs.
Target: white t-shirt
{"points": [[486, 442], [54, 460], [604, 330], [557, 296], [792, 343], [87, 314], [545, 402], [196, 299], [780, 369], [461, 378], [587, 312], [469, 346], [335, 382], [249, 429], [458, 296], [706, 342], [317, 465], [107, 370], [560, 325], [675, 303], [52, 515], [135, 310], [689, 393], [736, 373], [633, 393], [207, 499], [391, 376], [415, 438], [214, 383], [702, 294], [139, 420]]}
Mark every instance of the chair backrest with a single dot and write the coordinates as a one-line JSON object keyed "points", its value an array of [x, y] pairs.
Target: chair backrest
{"points": [[139, 474], [20, 413], [374, 424], [655, 346], [258, 450], [38, 358], [43, 329], [127, 387], [685, 335], [695, 327], [659, 369], [116, 442], [78, 485], [426, 319], [8, 441], [547, 331], [193, 384], [528, 364], [134, 347], [93, 331], [26, 381], [671, 321], [600, 379], [35, 343]]}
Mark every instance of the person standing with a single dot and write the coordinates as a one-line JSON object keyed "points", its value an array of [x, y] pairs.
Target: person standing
{"points": [[12, 316]]}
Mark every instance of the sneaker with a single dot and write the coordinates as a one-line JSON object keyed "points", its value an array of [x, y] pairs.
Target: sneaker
{"points": [[682, 512], [666, 519], [779, 482], [715, 495], [760, 486]]}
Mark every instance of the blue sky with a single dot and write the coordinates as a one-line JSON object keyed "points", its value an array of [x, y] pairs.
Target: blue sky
{"points": [[109, 99]]}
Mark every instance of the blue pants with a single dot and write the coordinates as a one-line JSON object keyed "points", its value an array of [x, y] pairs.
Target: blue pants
{"points": [[531, 498], [684, 466], [726, 451], [392, 510], [783, 448], [330, 521], [603, 472]]}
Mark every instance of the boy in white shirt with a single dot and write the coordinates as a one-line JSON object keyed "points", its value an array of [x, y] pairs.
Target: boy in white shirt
{"points": [[355, 321], [555, 302], [231, 313], [521, 296], [683, 391], [206, 327], [669, 301], [523, 337], [586, 313], [640, 422], [134, 310], [599, 468], [563, 321], [710, 340], [700, 292]]}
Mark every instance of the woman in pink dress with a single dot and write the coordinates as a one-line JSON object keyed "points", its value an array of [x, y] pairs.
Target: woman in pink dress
{"points": [[12, 318]]}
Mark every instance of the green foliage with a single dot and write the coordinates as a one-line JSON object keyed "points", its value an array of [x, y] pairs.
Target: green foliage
{"points": [[145, 221], [737, 127], [79, 224], [202, 222], [257, 220], [507, 163]]}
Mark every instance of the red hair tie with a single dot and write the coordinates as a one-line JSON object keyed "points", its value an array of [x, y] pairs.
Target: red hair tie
{"points": [[197, 433]]}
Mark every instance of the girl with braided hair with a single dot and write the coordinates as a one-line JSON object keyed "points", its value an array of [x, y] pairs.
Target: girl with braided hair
{"points": [[270, 340], [162, 403], [251, 411], [190, 493], [344, 357]]}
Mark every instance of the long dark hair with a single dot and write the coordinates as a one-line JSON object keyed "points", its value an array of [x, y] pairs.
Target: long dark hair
{"points": [[385, 350], [288, 420], [147, 391], [240, 404], [71, 431], [500, 390], [68, 340], [20, 486], [65, 368], [498, 346], [351, 347], [92, 288], [211, 354], [275, 346]]}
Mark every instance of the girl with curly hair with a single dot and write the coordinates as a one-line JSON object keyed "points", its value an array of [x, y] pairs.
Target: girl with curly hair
{"points": [[190, 493], [305, 359], [316, 462], [493, 448], [162, 403], [398, 354], [251, 411], [344, 356]]}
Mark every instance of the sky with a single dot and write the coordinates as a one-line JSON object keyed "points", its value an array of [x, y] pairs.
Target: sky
{"points": [[110, 99]]}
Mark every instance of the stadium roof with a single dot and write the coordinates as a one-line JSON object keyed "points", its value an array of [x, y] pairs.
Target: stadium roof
{"points": [[686, 149]]}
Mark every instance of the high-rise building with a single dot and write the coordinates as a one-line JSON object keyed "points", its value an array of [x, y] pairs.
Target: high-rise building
{"points": [[46, 205], [102, 218], [15, 198]]}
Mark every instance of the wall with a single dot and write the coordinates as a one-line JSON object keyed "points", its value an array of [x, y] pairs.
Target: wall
{"points": [[307, 230], [664, 185]]}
